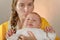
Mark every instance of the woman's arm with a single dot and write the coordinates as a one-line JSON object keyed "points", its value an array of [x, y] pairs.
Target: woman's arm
{"points": [[3, 30], [47, 27]]}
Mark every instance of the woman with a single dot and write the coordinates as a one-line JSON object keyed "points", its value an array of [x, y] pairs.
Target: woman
{"points": [[20, 9]]}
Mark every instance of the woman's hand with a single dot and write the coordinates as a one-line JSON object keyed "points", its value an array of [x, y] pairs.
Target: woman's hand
{"points": [[49, 29], [10, 33], [31, 36]]}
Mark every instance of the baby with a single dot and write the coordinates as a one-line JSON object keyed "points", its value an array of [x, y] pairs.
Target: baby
{"points": [[33, 23]]}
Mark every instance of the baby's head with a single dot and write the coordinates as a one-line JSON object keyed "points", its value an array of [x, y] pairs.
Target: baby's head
{"points": [[33, 20]]}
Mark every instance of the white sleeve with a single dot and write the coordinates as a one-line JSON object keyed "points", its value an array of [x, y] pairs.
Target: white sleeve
{"points": [[51, 36]]}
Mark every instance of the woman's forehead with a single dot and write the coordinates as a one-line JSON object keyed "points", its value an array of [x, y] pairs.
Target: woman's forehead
{"points": [[25, 1]]}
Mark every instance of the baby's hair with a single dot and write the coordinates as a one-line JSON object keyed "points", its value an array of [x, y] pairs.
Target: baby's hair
{"points": [[37, 15]]}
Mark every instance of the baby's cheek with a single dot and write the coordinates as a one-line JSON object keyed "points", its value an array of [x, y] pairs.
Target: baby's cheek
{"points": [[37, 25], [34, 24]]}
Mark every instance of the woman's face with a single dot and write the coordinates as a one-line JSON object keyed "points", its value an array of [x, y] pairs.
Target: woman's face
{"points": [[24, 7]]}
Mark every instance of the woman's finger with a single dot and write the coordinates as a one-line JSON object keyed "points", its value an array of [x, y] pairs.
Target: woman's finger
{"points": [[10, 32], [49, 29], [31, 35], [22, 37]]}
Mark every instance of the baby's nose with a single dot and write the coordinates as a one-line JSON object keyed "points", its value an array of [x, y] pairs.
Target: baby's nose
{"points": [[30, 21]]}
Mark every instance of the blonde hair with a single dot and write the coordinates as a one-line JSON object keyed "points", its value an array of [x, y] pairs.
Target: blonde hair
{"points": [[14, 15]]}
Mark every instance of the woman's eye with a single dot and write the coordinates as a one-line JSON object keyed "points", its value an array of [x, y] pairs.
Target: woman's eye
{"points": [[21, 5], [30, 4]]}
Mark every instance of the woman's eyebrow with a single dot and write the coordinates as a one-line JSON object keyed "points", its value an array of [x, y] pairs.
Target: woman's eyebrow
{"points": [[21, 3], [30, 2]]}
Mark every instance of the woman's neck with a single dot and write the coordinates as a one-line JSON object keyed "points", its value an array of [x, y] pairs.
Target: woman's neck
{"points": [[20, 23]]}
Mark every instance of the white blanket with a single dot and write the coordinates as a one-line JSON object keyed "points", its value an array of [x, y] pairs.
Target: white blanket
{"points": [[39, 34]]}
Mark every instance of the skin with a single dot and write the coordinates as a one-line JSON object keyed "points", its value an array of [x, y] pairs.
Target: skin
{"points": [[31, 36]]}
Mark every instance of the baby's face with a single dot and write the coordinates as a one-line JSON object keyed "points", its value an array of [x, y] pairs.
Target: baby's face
{"points": [[32, 21]]}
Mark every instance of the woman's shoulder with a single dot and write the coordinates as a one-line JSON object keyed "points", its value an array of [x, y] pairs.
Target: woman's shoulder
{"points": [[44, 23], [4, 25], [43, 19], [3, 29]]}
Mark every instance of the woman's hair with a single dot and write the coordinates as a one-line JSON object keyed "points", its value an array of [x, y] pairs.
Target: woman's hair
{"points": [[14, 15]]}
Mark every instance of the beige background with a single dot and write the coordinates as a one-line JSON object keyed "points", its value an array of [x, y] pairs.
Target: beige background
{"points": [[49, 9]]}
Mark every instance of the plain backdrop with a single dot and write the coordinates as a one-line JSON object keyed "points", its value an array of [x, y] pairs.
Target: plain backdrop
{"points": [[49, 9]]}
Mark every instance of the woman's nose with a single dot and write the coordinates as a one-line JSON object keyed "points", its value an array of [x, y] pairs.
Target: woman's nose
{"points": [[26, 9]]}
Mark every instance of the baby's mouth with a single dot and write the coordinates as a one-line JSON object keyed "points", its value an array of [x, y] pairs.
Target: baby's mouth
{"points": [[30, 25]]}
